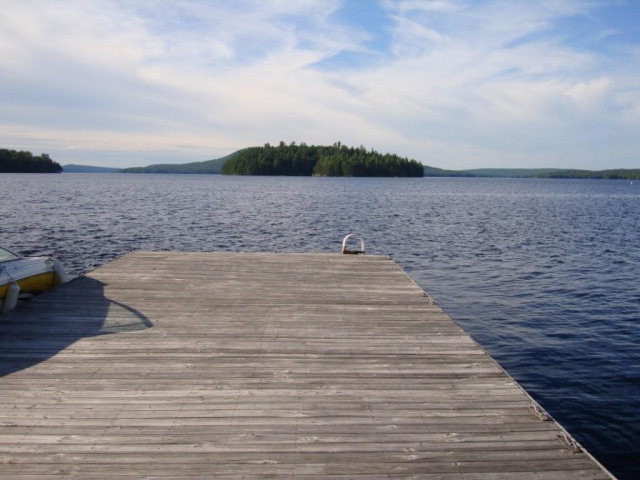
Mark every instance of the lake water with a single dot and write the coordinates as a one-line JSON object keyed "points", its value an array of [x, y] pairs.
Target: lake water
{"points": [[545, 274]]}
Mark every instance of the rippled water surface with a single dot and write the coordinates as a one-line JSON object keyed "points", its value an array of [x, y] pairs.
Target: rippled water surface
{"points": [[545, 274]]}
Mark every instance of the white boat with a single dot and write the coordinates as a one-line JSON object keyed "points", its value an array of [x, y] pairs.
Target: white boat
{"points": [[23, 277]]}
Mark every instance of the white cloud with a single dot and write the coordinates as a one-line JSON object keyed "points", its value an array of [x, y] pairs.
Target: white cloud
{"points": [[462, 84]]}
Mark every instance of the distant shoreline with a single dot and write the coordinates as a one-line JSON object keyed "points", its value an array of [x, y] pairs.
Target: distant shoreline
{"points": [[322, 176], [352, 163]]}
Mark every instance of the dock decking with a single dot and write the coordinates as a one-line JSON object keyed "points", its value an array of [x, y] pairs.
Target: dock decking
{"points": [[217, 365]]}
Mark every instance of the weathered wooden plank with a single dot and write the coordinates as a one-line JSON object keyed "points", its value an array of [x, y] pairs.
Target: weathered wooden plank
{"points": [[166, 455], [80, 465], [551, 475], [193, 365]]}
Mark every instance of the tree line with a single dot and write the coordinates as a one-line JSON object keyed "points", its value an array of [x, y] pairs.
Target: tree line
{"points": [[13, 161], [613, 174], [336, 160]]}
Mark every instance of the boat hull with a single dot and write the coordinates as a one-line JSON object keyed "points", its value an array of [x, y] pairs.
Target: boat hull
{"points": [[30, 276], [34, 284]]}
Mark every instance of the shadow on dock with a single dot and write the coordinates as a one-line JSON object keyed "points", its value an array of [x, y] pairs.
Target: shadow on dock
{"points": [[39, 329]]}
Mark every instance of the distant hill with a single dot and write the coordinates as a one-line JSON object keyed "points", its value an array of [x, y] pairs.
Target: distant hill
{"points": [[510, 172], [208, 166], [440, 172], [488, 172], [614, 174], [625, 174], [13, 161], [73, 168]]}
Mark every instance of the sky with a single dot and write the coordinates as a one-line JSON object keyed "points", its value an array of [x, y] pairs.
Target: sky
{"points": [[451, 83]]}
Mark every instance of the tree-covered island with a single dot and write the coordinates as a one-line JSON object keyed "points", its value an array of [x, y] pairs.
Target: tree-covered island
{"points": [[328, 161], [13, 161]]}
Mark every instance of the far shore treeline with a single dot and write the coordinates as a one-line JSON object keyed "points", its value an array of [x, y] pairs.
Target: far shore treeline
{"points": [[14, 161], [327, 161], [302, 159], [615, 174]]}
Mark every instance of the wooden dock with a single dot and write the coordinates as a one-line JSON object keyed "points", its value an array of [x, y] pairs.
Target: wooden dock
{"points": [[217, 365]]}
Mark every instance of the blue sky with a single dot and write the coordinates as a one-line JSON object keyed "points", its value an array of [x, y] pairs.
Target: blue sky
{"points": [[451, 83]]}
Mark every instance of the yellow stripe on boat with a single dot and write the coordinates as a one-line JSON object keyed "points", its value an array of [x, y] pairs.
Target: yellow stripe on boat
{"points": [[34, 284]]}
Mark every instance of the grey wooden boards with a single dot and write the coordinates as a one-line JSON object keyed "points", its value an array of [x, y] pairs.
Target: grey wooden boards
{"points": [[218, 365]]}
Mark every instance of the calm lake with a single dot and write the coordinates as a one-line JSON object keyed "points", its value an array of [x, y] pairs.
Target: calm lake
{"points": [[545, 274]]}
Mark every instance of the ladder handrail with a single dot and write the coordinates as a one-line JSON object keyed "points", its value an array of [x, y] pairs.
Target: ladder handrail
{"points": [[346, 250]]}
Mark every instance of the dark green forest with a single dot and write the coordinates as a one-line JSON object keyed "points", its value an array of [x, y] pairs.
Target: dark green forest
{"points": [[13, 161], [329, 161]]}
